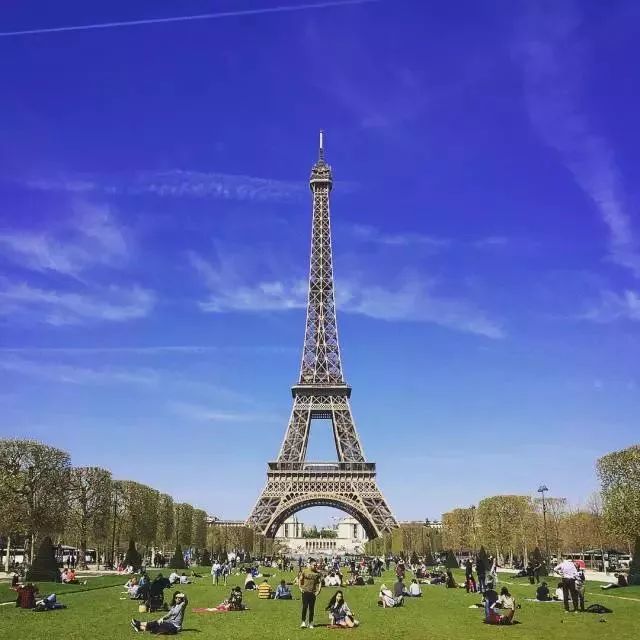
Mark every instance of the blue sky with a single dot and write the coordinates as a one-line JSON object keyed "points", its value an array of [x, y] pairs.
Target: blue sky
{"points": [[155, 221]]}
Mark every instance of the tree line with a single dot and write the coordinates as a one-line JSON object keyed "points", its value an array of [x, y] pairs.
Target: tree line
{"points": [[513, 525], [42, 494]]}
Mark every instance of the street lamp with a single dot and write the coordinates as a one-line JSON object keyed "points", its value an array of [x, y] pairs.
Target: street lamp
{"points": [[473, 526], [541, 490]]}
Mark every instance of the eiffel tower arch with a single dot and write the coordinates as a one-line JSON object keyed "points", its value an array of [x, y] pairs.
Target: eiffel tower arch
{"points": [[293, 482]]}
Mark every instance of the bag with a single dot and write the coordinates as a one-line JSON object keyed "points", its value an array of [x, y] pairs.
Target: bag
{"points": [[142, 608], [598, 608]]}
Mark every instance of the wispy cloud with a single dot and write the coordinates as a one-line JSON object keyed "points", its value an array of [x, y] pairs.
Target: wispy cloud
{"points": [[416, 301], [228, 294], [178, 183], [554, 60], [201, 413], [615, 306], [366, 233], [152, 350], [112, 304], [413, 301], [72, 374], [89, 237]]}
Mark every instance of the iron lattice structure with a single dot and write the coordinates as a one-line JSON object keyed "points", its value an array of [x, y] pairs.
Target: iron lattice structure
{"points": [[293, 483]]}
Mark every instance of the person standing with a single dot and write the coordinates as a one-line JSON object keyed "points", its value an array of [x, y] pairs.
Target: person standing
{"points": [[580, 581], [568, 572], [310, 583], [481, 570], [215, 572]]}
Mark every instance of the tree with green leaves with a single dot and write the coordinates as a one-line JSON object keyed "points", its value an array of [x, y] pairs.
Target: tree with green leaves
{"points": [[184, 524], [34, 478], [199, 529], [89, 507], [619, 474], [165, 536]]}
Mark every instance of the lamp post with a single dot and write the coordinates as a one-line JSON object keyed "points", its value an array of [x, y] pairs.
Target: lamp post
{"points": [[541, 490], [473, 527]]}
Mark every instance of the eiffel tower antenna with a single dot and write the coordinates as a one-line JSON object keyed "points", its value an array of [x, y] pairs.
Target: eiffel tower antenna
{"points": [[293, 483]]}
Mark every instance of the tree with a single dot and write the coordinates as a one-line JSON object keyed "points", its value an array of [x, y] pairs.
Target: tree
{"points": [[205, 560], [451, 562], [458, 528], [166, 521], [428, 559], [634, 567], [89, 506], [537, 558], [34, 479], [45, 566], [184, 524], [177, 562], [199, 529], [619, 474], [133, 557]]}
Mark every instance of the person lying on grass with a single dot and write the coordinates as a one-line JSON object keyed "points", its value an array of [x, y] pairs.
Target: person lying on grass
{"points": [[339, 613], [169, 624], [386, 599]]}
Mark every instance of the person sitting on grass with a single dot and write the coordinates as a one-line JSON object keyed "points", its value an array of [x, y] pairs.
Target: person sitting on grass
{"points": [[169, 624], [450, 581], [283, 592], [385, 598], [69, 576], [414, 589], [174, 577], [233, 602], [559, 593], [506, 604], [265, 592], [249, 582], [542, 593], [399, 591], [184, 579], [26, 596], [621, 581], [339, 613]]}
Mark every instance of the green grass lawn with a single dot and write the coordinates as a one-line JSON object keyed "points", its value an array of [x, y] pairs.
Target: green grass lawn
{"points": [[441, 614]]}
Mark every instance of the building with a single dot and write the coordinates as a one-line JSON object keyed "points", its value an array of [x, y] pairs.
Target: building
{"points": [[347, 537]]}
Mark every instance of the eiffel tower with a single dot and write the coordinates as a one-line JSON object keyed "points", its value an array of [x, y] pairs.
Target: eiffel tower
{"points": [[293, 483]]}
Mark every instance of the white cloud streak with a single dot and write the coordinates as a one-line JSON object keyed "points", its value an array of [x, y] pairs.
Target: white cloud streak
{"points": [[200, 413], [189, 18], [77, 375], [413, 301], [90, 238], [109, 304], [615, 306], [179, 183], [553, 60], [366, 233]]}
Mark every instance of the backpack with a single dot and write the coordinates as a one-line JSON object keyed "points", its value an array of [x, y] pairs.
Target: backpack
{"points": [[598, 608]]}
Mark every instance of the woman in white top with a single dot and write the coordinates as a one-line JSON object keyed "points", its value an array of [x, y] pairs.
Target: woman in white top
{"points": [[414, 589], [507, 603]]}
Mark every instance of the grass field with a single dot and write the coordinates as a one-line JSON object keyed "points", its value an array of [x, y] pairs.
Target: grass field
{"points": [[96, 612]]}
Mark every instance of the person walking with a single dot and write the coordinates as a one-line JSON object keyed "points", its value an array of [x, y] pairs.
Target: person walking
{"points": [[568, 571], [310, 583]]}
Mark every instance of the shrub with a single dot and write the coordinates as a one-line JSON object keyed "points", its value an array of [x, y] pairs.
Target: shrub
{"points": [[45, 565], [177, 562], [205, 560], [451, 562], [133, 557]]}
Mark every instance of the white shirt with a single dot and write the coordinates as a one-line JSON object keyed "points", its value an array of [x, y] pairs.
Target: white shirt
{"points": [[173, 577], [414, 589], [567, 569], [215, 567]]}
